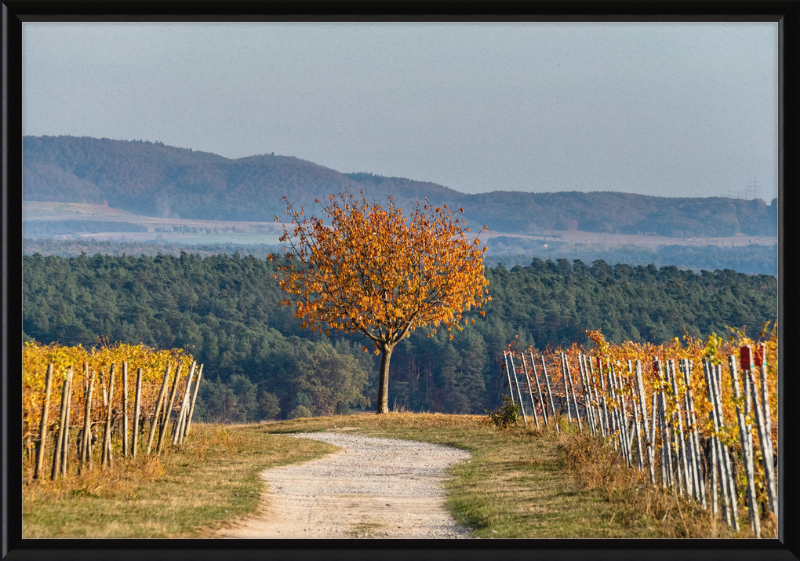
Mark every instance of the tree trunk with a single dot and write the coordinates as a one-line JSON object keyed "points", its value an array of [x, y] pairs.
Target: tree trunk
{"points": [[383, 384]]}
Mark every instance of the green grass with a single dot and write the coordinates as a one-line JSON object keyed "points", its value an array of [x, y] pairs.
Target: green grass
{"points": [[214, 478], [519, 483]]}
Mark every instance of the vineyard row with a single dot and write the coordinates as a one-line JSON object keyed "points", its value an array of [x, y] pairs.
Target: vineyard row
{"points": [[679, 422], [129, 414]]}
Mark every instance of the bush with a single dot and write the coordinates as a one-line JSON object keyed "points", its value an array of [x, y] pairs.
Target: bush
{"points": [[506, 416], [300, 411]]}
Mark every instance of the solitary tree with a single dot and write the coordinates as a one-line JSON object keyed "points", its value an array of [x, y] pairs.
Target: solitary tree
{"points": [[373, 271]]}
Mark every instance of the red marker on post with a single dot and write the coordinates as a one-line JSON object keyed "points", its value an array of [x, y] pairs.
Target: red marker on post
{"points": [[759, 358], [745, 358]]}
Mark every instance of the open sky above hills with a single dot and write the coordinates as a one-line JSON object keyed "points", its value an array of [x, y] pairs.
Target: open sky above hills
{"points": [[666, 109]]}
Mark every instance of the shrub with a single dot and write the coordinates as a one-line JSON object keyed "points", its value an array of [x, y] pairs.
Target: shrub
{"points": [[506, 416]]}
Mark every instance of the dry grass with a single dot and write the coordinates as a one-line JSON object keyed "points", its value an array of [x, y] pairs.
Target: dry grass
{"points": [[527, 483], [187, 493], [600, 468], [520, 483]]}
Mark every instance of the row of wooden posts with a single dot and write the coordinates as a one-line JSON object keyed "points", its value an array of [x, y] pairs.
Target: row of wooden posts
{"points": [[616, 409], [160, 420]]}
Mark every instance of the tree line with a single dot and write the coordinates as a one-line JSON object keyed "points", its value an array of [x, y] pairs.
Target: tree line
{"points": [[752, 259], [261, 364]]}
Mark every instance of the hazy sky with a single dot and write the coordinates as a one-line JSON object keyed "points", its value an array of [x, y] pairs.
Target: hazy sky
{"points": [[674, 109]]}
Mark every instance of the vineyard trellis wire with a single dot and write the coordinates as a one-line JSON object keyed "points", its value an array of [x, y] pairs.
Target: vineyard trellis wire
{"points": [[671, 410], [96, 397]]}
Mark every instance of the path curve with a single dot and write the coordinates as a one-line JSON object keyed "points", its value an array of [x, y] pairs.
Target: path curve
{"points": [[372, 488]]}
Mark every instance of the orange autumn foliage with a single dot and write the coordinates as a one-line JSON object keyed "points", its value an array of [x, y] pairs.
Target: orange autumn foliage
{"points": [[373, 271]]}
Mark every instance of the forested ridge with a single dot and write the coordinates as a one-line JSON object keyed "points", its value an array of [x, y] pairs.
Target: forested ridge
{"points": [[156, 180], [261, 364]]}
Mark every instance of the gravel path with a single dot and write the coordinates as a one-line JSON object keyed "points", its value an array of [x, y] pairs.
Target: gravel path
{"points": [[373, 488]]}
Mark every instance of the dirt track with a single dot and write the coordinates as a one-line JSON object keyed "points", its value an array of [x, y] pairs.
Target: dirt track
{"points": [[372, 488]]}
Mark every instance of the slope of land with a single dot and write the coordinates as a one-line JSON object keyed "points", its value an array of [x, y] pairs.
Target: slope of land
{"points": [[152, 179]]}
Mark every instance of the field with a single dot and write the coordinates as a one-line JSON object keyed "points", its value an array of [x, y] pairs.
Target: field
{"points": [[543, 484], [170, 229], [186, 231]]}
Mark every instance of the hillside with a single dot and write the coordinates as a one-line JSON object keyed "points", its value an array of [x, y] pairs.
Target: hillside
{"points": [[153, 179]]}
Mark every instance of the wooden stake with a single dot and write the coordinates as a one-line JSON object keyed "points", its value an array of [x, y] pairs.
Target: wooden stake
{"points": [[530, 390], [137, 409], [688, 366], [764, 391], [744, 430], [105, 458], [726, 451], [688, 483], [720, 458], [766, 446], [598, 408], [587, 397], [168, 410], [508, 375], [519, 392], [666, 438], [65, 444], [40, 449], [550, 394], [566, 390], [650, 448], [194, 399], [125, 409], [154, 423], [568, 374], [184, 406], [87, 422], [538, 389]]}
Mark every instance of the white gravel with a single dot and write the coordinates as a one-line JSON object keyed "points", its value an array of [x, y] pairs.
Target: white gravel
{"points": [[373, 488]]}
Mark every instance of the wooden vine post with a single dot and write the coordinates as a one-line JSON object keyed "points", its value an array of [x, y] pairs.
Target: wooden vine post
{"points": [[125, 408], [599, 411], [550, 394], [68, 411], [744, 429], [168, 410], [566, 391], [572, 389], [106, 454], [530, 390], [155, 420], [650, 445], [86, 456], [519, 392], [508, 375], [194, 399], [40, 449], [701, 489], [176, 438], [765, 441], [137, 410], [539, 389]]}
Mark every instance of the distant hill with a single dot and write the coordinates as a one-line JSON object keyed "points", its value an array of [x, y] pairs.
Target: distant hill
{"points": [[153, 179]]}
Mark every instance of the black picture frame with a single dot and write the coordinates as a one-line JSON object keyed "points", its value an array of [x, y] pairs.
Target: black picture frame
{"points": [[15, 12]]}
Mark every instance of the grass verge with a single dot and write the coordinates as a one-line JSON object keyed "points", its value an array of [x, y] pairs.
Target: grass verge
{"points": [[213, 478], [526, 483], [519, 483]]}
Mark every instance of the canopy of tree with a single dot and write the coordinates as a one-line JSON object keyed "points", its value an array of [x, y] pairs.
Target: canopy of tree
{"points": [[261, 364], [380, 274], [157, 180]]}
